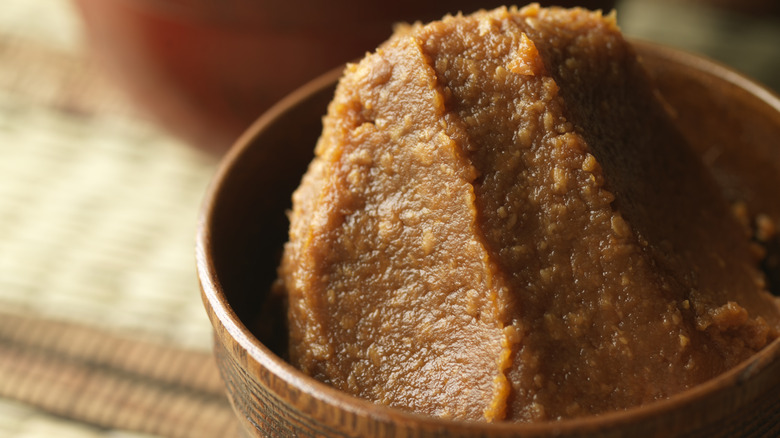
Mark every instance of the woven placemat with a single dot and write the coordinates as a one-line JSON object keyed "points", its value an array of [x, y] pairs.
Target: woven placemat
{"points": [[102, 329], [21, 420], [97, 222], [111, 381]]}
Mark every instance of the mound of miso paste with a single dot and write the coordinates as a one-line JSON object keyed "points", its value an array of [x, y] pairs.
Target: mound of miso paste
{"points": [[503, 223]]}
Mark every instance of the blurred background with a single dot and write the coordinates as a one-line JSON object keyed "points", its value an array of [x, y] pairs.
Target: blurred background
{"points": [[113, 117]]}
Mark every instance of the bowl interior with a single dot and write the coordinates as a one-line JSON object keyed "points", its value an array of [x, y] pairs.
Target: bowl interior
{"points": [[732, 122], [248, 222]]}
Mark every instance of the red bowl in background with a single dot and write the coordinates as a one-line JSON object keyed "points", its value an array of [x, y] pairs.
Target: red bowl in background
{"points": [[206, 69]]}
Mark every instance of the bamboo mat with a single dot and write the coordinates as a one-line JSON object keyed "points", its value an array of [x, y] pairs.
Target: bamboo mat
{"points": [[102, 329], [112, 382]]}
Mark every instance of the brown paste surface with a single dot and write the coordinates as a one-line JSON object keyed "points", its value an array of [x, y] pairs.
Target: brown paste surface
{"points": [[502, 223]]}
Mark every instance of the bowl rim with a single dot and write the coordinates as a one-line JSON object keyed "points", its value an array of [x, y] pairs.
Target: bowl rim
{"points": [[223, 316]]}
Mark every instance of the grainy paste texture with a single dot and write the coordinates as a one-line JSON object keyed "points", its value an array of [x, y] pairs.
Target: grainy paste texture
{"points": [[503, 223]]}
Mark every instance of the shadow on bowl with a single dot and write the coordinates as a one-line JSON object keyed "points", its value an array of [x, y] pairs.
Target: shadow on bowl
{"points": [[734, 124]]}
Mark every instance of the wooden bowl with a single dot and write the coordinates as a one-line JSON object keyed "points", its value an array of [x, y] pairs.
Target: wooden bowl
{"points": [[733, 122]]}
